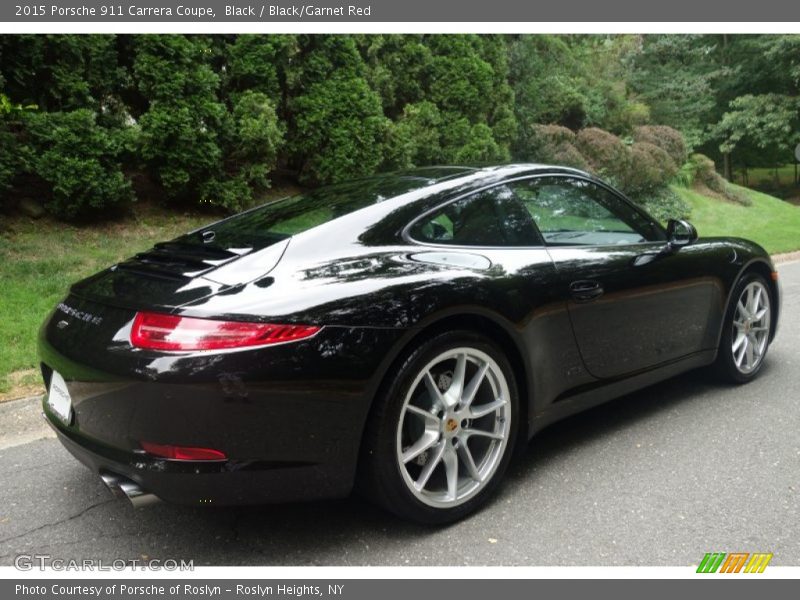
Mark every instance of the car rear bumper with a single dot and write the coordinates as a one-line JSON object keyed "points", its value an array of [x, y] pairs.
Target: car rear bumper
{"points": [[217, 483], [289, 432]]}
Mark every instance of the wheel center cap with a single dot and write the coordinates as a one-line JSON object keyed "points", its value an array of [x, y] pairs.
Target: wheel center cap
{"points": [[450, 425]]}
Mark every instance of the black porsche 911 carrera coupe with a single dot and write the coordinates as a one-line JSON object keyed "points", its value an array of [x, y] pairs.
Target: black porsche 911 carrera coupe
{"points": [[402, 333]]}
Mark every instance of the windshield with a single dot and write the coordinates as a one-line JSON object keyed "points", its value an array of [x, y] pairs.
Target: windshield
{"points": [[278, 220]]}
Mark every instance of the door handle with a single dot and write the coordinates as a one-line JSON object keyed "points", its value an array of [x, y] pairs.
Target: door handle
{"points": [[585, 290], [645, 258]]}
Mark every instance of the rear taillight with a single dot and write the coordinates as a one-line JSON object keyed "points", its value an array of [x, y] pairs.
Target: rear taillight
{"points": [[158, 331], [182, 452]]}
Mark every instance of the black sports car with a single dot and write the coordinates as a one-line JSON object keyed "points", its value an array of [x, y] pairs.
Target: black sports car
{"points": [[403, 332]]}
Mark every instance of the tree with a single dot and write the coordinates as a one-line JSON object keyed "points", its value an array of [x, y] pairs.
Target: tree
{"points": [[439, 91], [63, 72], [733, 97], [79, 159], [768, 122], [181, 127], [258, 63], [13, 154], [677, 76], [336, 123], [195, 145], [69, 148]]}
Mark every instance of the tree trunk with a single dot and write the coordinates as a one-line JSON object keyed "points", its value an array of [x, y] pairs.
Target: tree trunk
{"points": [[727, 172]]}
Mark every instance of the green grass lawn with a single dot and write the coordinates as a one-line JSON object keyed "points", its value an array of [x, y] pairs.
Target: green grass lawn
{"points": [[38, 262], [773, 223]]}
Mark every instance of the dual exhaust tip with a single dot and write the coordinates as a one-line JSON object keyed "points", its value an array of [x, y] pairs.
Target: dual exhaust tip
{"points": [[122, 487]]}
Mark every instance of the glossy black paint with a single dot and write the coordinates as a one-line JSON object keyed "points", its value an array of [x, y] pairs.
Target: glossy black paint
{"points": [[581, 325]]}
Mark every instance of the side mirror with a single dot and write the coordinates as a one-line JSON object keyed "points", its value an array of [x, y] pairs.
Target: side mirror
{"points": [[680, 233]]}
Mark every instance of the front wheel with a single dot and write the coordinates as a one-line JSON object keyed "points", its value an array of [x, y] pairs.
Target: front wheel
{"points": [[439, 442], [746, 330]]}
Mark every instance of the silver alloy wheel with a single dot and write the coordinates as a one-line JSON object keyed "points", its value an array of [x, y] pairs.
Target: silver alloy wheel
{"points": [[751, 323], [454, 427]]}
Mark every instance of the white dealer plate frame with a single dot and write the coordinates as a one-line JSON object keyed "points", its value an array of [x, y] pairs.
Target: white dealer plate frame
{"points": [[58, 398]]}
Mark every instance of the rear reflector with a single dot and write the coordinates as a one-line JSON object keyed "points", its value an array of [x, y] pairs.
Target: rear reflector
{"points": [[157, 331], [182, 452], [774, 276]]}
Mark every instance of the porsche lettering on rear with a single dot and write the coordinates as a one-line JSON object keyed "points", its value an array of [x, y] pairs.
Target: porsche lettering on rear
{"points": [[79, 314]]}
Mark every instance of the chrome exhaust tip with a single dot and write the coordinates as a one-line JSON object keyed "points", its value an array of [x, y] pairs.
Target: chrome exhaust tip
{"points": [[122, 487]]}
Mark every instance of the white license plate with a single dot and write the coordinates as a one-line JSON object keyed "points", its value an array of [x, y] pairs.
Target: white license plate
{"points": [[58, 398]]}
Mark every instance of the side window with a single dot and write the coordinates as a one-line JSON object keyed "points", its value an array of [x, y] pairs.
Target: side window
{"points": [[570, 211], [493, 217]]}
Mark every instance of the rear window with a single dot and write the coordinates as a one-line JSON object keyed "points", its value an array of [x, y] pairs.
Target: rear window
{"points": [[278, 220]]}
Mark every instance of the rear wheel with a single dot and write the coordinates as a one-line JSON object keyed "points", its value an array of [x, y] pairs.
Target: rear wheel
{"points": [[746, 330], [438, 445]]}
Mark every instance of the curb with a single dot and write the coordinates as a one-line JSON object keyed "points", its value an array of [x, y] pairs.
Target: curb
{"points": [[37, 397], [787, 257]]}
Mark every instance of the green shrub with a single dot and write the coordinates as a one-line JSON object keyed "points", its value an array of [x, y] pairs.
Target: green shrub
{"points": [[636, 169], [399, 148], [9, 158], [606, 154], [180, 145], [454, 133], [251, 154], [14, 153], [685, 175], [415, 138], [553, 144], [254, 62], [233, 193], [436, 89], [339, 130], [704, 172], [184, 120], [461, 79], [668, 139], [553, 134], [568, 155], [650, 167], [79, 159], [481, 147]]}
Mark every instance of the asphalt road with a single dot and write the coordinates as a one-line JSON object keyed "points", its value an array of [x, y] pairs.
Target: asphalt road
{"points": [[659, 477]]}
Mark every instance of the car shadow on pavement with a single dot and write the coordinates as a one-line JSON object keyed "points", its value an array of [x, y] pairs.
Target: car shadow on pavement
{"points": [[585, 427], [342, 532]]}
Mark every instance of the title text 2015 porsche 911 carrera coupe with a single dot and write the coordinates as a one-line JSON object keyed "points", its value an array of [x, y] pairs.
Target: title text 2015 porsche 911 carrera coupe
{"points": [[403, 332]]}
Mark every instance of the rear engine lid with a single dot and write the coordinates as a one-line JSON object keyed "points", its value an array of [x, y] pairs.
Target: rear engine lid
{"points": [[175, 273]]}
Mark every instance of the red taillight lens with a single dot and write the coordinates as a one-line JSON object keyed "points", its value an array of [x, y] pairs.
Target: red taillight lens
{"points": [[182, 452], [158, 331]]}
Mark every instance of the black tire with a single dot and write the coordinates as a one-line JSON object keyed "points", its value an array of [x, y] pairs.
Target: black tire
{"points": [[725, 365], [380, 475]]}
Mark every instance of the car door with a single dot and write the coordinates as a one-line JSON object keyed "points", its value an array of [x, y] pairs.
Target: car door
{"points": [[516, 280], [634, 303]]}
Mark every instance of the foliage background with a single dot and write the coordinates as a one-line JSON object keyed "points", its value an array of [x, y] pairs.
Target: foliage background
{"points": [[88, 124]]}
